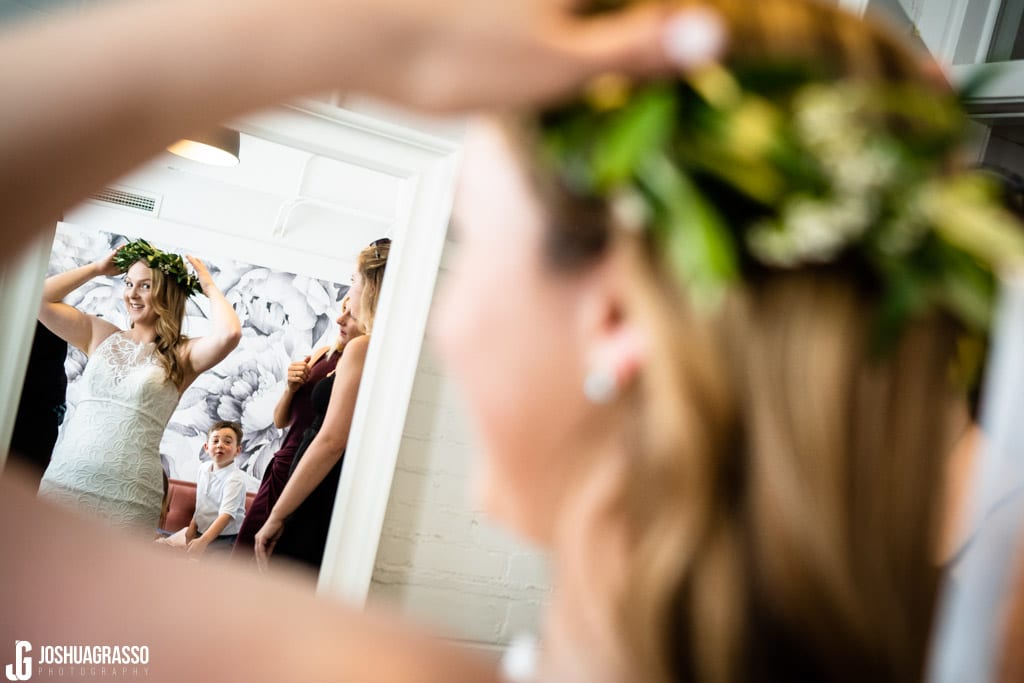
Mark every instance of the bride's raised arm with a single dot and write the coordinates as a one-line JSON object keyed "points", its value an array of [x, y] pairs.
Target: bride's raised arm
{"points": [[79, 329], [206, 351]]}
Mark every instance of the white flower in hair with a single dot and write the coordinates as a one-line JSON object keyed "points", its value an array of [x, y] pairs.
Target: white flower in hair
{"points": [[771, 245], [810, 231]]}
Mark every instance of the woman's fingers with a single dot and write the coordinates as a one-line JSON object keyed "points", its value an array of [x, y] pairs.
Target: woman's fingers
{"points": [[647, 40], [298, 371], [262, 553], [202, 272], [528, 55]]}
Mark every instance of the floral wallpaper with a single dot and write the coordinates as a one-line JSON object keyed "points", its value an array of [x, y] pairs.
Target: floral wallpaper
{"points": [[284, 316]]}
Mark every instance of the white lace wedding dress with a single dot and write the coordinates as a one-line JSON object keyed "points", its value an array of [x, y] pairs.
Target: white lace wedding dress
{"points": [[107, 461]]}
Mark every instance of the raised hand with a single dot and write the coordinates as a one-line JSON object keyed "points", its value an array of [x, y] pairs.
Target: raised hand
{"points": [[106, 266], [202, 272], [298, 373]]}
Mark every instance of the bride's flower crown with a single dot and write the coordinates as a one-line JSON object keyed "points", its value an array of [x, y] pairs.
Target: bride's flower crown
{"points": [[773, 168], [171, 265]]}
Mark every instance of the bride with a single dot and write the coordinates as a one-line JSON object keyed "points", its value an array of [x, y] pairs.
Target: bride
{"points": [[108, 460]]}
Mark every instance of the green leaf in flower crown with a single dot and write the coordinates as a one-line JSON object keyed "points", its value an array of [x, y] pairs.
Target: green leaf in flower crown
{"points": [[699, 245], [923, 118], [969, 294], [965, 215], [171, 265], [758, 180], [740, 148], [711, 156], [631, 135]]}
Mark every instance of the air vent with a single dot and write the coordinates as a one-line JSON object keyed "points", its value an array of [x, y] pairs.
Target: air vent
{"points": [[128, 199]]}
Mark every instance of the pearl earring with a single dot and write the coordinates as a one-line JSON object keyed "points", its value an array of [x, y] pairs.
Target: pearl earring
{"points": [[601, 385]]}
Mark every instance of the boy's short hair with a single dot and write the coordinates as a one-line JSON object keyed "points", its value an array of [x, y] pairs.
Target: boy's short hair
{"points": [[236, 427]]}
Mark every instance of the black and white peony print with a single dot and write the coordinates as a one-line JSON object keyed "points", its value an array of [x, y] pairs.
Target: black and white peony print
{"points": [[284, 316]]}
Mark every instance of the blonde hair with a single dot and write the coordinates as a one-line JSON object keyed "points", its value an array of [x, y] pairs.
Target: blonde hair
{"points": [[783, 495], [372, 262], [783, 483], [168, 301]]}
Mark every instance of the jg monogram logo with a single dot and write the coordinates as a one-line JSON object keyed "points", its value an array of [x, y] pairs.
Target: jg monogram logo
{"points": [[21, 670], [78, 660]]}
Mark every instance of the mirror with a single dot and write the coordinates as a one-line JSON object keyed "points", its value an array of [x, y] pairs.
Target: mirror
{"points": [[284, 317], [316, 184]]}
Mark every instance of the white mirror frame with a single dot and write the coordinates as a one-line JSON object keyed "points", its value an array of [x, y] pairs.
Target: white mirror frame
{"points": [[1004, 92], [941, 26], [427, 166]]}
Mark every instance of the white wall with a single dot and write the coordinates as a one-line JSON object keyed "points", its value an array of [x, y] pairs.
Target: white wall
{"points": [[440, 559]]}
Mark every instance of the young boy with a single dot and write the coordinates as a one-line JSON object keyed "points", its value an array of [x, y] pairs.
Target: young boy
{"points": [[220, 492]]}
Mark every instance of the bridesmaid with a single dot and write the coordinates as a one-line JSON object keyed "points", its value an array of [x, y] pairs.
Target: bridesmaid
{"points": [[294, 412], [298, 523]]}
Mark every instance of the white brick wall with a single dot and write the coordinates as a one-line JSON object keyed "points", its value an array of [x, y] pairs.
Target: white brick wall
{"points": [[441, 560]]}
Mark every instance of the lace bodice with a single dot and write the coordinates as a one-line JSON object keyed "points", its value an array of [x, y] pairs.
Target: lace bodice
{"points": [[107, 459], [123, 371]]}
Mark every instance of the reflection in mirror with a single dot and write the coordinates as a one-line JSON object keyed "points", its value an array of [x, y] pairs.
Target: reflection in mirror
{"points": [[284, 317], [327, 183], [321, 209]]}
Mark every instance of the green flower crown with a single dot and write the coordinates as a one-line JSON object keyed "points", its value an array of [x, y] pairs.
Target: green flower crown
{"points": [[171, 265], [735, 173]]}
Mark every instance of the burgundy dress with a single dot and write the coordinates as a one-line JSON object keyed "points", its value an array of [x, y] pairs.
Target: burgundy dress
{"points": [[305, 531], [276, 475]]}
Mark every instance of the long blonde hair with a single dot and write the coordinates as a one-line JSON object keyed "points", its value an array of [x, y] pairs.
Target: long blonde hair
{"points": [[168, 300], [785, 490], [783, 486], [372, 262]]}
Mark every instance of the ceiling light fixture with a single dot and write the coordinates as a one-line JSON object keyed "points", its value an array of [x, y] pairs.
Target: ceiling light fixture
{"points": [[218, 147]]}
